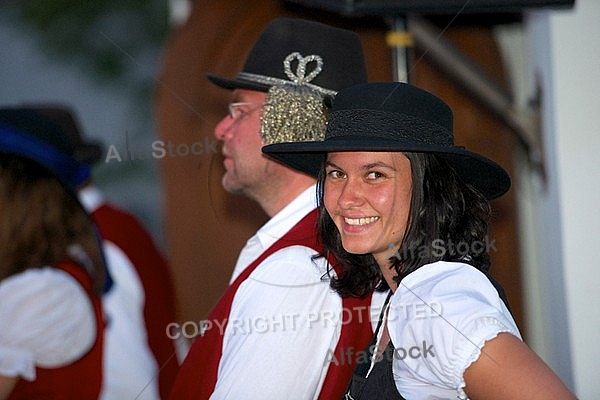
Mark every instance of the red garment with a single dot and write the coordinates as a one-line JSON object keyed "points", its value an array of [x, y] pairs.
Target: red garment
{"points": [[81, 379], [129, 235], [198, 374]]}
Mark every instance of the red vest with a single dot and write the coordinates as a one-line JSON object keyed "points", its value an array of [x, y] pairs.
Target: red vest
{"points": [[81, 379], [198, 374], [130, 236]]}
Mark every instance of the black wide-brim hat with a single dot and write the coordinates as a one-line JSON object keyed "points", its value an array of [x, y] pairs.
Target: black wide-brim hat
{"points": [[393, 116], [298, 51]]}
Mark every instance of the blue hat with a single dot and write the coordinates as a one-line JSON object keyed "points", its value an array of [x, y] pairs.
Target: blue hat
{"points": [[29, 134]]}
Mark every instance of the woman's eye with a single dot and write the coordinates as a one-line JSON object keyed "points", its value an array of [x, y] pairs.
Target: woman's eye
{"points": [[335, 174], [374, 175]]}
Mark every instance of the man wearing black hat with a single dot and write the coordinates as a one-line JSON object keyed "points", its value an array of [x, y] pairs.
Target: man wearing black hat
{"points": [[278, 331]]}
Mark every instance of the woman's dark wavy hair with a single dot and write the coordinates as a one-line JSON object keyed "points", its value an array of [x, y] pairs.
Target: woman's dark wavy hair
{"points": [[444, 212]]}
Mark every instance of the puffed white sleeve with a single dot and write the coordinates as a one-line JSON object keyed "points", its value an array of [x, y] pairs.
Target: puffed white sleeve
{"points": [[439, 320], [46, 320]]}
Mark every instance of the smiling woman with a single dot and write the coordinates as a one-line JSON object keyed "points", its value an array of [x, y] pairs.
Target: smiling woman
{"points": [[390, 174]]}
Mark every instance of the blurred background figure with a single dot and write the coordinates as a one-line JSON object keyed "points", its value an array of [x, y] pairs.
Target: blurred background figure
{"points": [[140, 359], [51, 268]]}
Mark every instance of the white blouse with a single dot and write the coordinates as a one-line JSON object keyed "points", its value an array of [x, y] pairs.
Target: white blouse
{"points": [[439, 320], [46, 320]]}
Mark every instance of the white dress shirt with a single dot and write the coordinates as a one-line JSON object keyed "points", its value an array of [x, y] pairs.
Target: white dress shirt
{"points": [[129, 367], [284, 318]]}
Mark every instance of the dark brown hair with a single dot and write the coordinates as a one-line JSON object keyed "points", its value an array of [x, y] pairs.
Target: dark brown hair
{"points": [[42, 222]]}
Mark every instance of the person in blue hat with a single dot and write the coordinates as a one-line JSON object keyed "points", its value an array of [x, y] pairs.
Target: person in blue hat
{"points": [[405, 210], [51, 268], [139, 359]]}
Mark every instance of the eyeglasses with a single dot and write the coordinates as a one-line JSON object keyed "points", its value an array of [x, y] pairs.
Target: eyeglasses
{"points": [[236, 110]]}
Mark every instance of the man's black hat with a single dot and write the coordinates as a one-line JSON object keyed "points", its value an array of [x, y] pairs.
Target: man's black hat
{"points": [[296, 51]]}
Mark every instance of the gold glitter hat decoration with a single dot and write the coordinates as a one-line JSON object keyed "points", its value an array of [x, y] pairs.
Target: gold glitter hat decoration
{"points": [[294, 109], [318, 60]]}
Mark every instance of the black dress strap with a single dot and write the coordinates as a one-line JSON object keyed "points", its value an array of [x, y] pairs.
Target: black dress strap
{"points": [[380, 384]]}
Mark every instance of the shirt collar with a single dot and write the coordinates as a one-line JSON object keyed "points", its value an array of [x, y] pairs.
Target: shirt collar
{"points": [[289, 216], [91, 198]]}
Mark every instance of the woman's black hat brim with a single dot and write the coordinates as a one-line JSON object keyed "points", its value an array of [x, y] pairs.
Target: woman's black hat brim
{"points": [[308, 157]]}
